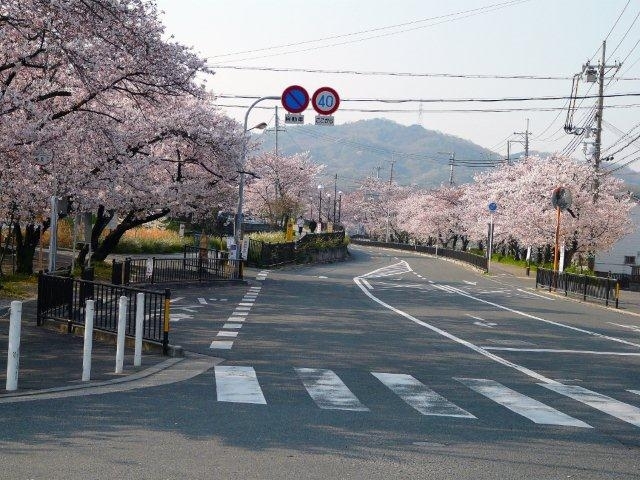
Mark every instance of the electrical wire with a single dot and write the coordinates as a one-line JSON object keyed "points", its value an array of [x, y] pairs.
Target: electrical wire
{"points": [[453, 100], [458, 16]]}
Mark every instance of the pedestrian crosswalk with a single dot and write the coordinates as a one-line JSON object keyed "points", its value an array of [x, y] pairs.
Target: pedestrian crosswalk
{"points": [[325, 388]]}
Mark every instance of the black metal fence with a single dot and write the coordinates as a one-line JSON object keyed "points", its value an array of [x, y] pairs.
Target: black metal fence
{"points": [[196, 264], [63, 299], [262, 254], [466, 257], [596, 288]]}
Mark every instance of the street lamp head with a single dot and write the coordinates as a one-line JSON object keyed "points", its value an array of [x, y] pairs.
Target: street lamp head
{"points": [[319, 187], [260, 126]]}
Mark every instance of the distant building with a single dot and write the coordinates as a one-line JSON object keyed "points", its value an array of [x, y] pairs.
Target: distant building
{"points": [[625, 254]]}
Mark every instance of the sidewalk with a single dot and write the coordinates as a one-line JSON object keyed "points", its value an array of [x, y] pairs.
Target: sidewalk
{"points": [[49, 359]]}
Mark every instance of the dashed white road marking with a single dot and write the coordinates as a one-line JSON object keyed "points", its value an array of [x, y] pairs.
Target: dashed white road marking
{"points": [[238, 385], [221, 345], [535, 294], [227, 334], [232, 325], [247, 304], [177, 299], [528, 407], [630, 327], [367, 284], [203, 301]]}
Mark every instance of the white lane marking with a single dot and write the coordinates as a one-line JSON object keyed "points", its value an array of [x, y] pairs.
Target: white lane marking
{"points": [[470, 283], [533, 317], [615, 408], [236, 319], [246, 304], [177, 299], [202, 301], [190, 308], [637, 392], [551, 350], [240, 313], [459, 340], [176, 317], [367, 284], [535, 294], [631, 327], [260, 279], [227, 334], [245, 309], [528, 407], [328, 391], [431, 281], [221, 345], [504, 290], [322, 276], [481, 322], [420, 397], [238, 385], [232, 325], [390, 270]]}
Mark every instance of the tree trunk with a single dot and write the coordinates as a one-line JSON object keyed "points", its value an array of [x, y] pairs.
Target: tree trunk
{"points": [[102, 249], [26, 245]]}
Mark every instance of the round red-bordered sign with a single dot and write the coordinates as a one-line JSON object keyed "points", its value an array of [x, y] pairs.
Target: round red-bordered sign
{"points": [[325, 100], [295, 99]]}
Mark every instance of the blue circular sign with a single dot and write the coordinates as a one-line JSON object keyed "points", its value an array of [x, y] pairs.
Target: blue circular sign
{"points": [[493, 206], [295, 99]]}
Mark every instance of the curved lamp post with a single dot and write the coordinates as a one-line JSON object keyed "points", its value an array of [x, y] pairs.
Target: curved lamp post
{"points": [[239, 216]]}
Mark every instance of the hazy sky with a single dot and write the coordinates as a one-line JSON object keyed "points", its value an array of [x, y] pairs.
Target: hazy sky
{"points": [[468, 37]]}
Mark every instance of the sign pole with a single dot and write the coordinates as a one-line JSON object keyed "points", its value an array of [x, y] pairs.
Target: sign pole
{"points": [[555, 253]]}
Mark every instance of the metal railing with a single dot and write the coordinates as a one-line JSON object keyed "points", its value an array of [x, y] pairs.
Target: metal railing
{"points": [[597, 288], [196, 264], [466, 257], [63, 299]]}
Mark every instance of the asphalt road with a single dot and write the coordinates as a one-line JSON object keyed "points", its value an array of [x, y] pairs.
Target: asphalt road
{"points": [[391, 365]]}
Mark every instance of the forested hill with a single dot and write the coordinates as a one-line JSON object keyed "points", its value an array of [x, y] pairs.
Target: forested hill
{"points": [[421, 157]]}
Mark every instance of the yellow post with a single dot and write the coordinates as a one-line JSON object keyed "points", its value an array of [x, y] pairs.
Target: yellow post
{"points": [[167, 311], [289, 234]]}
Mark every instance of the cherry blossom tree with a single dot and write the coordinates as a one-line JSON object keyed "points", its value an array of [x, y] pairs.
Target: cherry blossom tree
{"points": [[279, 186], [599, 214], [66, 68], [373, 207]]}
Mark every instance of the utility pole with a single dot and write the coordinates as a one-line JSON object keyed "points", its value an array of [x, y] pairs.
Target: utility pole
{"points": [[393, 161], [335, 196], [276, 130], [597, 145], [452, 159], [525, 134]]}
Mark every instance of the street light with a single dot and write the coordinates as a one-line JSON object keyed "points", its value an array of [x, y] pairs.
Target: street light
{"points": [[328, 207], [238, 223], [339, 205], [320, 203]]}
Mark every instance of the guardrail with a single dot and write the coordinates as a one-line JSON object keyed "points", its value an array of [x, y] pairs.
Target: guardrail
{"points": [[466, 257], [63, 299], [598, 288]]}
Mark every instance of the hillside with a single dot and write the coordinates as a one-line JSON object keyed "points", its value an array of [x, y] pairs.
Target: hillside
{"points": [[367, 147]]}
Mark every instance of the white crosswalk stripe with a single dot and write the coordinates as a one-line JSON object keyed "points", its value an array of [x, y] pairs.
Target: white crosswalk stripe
{"points": [[238, 385], [420, 397], [328, 391], [528, 407], [623, 411]]}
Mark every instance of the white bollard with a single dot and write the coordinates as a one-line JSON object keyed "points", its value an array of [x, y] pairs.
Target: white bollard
{"points": [[88, 341], [137, 356], [13, 360], [122, 326]]}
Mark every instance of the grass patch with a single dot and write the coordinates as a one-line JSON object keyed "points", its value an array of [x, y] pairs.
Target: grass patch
{"points": [[18, 287]]}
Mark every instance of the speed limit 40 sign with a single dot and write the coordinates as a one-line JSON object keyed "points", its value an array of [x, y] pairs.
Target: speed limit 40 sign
{"points": [[325, 100]]}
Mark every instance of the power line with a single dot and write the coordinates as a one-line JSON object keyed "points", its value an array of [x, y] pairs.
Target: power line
{"points": [[402, 74], [454, 100], [458, 16]]}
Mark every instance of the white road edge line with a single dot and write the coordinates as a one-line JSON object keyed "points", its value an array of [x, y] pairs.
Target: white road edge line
{"points": [[459, 340], [551, 350], [451, 289]]}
